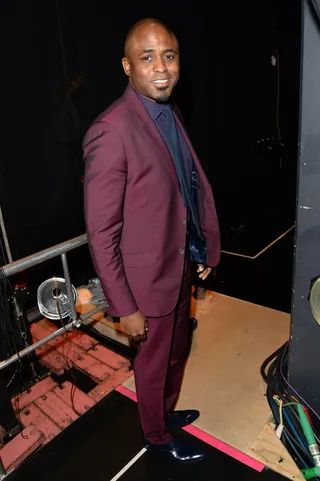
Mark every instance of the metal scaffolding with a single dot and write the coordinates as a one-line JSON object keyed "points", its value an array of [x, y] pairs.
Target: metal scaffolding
{"points": [[35, 259]]}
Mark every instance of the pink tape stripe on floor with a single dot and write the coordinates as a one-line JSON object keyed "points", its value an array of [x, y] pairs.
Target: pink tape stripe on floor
{"points": [[207, 438]]}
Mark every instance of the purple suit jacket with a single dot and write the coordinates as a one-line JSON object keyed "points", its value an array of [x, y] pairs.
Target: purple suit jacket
{"points": [[135, 217]]}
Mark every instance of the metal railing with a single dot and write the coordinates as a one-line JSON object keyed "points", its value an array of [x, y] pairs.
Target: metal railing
{"points": [[38, 258], [45, 255], [2, 470]]}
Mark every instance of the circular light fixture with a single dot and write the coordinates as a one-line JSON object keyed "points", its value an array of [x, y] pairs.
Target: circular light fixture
{"points": [[314, 299], [53, 299]]}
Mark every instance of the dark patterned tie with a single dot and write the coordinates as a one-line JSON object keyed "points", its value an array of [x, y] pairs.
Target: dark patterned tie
{"points": [[173, 143], [196, 243]]}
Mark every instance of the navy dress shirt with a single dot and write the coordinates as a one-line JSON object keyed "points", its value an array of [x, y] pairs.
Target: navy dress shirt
{"points": [[156, 113]]}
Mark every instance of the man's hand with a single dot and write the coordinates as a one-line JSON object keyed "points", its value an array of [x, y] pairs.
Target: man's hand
{"points": [[135, 326], [204, 271]]}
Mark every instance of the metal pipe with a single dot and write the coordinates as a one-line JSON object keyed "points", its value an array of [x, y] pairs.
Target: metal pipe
{"points": [[38, 258], [2, 470], [68, 327], [42, 256], [34, 346], [89, 314], [5, 237], [68, 286]]}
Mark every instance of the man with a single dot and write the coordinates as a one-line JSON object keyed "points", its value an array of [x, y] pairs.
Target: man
{"points": [[140, 213]]}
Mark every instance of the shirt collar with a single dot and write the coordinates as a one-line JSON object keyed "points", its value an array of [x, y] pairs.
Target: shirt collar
{"points": [[154, 108]]}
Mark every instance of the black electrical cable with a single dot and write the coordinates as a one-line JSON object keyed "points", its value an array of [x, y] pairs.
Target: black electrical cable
{"points": [[3, 253], [316, 7], [274, 372], [11, 340], [275, 384], [288, 433]]}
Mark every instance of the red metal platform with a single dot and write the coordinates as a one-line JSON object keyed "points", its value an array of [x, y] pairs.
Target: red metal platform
{"points": [[47, 408]]}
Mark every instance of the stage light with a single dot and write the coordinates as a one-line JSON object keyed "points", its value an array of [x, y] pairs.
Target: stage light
{"points": [[314, 299]]}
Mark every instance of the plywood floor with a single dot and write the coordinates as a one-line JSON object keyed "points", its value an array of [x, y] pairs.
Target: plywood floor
{"points": [[222, 377]]}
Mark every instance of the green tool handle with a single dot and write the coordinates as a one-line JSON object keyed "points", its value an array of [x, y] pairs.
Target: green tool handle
{"points": [[306, 426], [311, 473]]}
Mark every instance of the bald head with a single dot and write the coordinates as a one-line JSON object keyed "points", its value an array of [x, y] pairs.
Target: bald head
{"points": [[151, 59], [139, 27]]}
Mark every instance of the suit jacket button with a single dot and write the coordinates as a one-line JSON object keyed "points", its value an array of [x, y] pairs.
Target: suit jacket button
{"points": [[181, 250], [184, 221]]}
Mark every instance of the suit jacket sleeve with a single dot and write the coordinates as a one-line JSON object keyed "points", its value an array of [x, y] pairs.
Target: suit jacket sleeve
{"points": [[104, 192]]}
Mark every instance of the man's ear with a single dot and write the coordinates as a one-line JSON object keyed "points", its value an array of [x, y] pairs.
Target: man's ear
{"points": [[126, 66]]}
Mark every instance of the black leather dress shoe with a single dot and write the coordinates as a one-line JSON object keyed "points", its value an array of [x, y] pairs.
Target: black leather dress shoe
{"points": [[180, 419], [178, 450]]}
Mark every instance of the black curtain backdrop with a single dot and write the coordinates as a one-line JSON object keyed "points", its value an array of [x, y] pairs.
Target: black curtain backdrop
{"points": [[227, 94]]}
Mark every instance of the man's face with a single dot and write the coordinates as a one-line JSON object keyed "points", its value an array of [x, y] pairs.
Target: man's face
{"points": [[152, 62]]}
